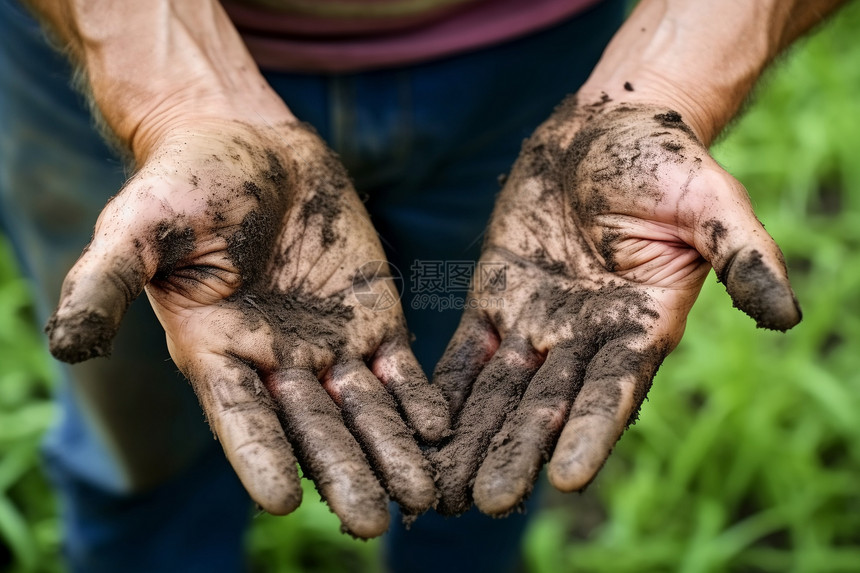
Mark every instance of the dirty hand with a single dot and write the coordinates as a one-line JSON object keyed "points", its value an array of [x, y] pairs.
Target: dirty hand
{"points": [[609, 223], [267, 276]]}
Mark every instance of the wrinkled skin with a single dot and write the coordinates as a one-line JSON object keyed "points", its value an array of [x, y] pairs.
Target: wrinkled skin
{"points": [[608, 224], [250, 243]]}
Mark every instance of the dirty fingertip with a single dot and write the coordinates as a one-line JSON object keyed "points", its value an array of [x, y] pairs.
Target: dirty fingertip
{"points": [[581, 451], [281, 506], [80, 335], [432, 423], [494, 495], [357, 498], [96, 294], [426, 410], [762, 291], [365, 521], [452, 483], [423, 404], [277, 502], [265, 466], [567, 474]]}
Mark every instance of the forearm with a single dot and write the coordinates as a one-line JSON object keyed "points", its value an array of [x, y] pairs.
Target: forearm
{"points": [[149, 64], [701, 57]]}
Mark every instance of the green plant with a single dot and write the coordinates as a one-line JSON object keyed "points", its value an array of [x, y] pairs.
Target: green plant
{"points": [[29, 533]]}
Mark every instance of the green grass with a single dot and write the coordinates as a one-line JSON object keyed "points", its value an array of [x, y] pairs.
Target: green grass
{"points": [[745, 458]]}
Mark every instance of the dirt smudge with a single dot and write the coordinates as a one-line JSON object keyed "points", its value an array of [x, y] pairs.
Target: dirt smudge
{"points": [[716, 233], [173, 242], [80, 336], [757, 291]]}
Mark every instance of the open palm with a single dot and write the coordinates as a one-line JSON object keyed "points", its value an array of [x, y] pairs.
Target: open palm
{"points": [[606, 228], [267, 276]]}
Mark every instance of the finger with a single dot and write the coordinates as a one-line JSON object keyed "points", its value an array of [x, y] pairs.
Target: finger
{"points": [[371, 415], [616, 383], [471, 347], [745, 257], [329, 454], [243, 417], [526, 441], [127, 249], [497, 392], [423, 405]]}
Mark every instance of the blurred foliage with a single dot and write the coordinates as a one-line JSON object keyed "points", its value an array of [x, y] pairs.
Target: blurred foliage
{"points": [[309, 540], [747, 455], [29, 532]]}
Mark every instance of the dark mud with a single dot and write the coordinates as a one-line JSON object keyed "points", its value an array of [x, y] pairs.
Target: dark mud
{"points": [[330, 181], [758, 292], [527, 439], [497, 392], [422, 407], [250, 247], [464, 358], [173, 243], [80, 336], [296, 317], [604, 373], [500, 401], [261, 455], [649, 362], [673, 120], [323, 208], [606, 248], [247, 246], [716, 233], [329, 454], [580, 148], [389, 445]]}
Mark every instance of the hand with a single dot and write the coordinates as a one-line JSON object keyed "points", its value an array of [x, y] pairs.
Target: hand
{"points": [[609, 223], [252, 247]]}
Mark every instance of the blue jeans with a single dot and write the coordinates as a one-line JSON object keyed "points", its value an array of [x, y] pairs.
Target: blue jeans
{"points": [[142, 484]]}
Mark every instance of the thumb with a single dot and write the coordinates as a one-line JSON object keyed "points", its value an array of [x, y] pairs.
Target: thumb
{"points": [[128, 247], [745, 257]]}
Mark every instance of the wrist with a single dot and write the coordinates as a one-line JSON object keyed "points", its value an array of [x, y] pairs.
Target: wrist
{"points": [[154, 64], [700, 58], [142, 117], [703, 112]]}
